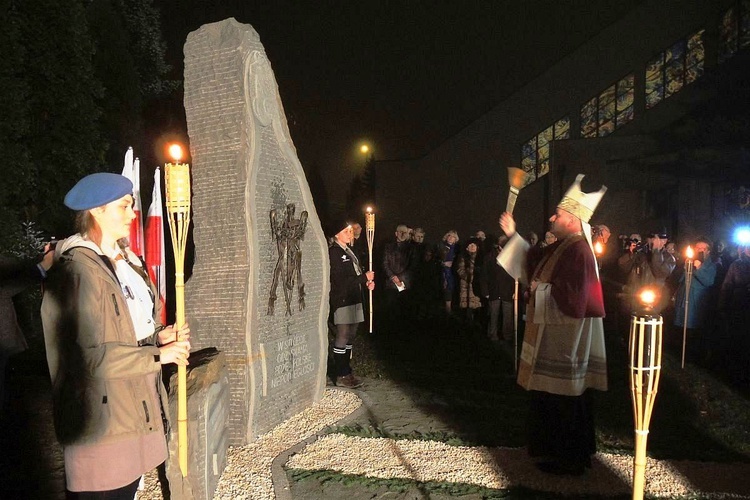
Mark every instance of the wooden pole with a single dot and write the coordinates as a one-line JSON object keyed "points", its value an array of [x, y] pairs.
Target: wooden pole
{"points": [[515, 326], [370, 231], [177, 180], [688, 282], [645, 348]]}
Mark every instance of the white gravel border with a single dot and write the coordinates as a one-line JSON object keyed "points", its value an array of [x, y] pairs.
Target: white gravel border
{"points": [[248, 474]]}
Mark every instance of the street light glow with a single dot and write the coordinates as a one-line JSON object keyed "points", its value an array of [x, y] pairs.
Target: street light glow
{"points": [[364, 149]]}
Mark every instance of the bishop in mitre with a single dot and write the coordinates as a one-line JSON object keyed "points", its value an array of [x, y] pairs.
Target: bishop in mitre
{"points": [[563, 358]]}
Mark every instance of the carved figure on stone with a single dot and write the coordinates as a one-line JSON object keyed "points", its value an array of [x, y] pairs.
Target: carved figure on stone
{"points": [[288, 233]]}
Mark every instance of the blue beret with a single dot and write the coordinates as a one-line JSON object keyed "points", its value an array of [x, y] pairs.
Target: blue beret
{"points": [[96, 190]]}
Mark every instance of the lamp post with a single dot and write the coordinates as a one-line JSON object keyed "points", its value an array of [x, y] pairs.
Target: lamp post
{"points": [[645, 349], [177, 183]]}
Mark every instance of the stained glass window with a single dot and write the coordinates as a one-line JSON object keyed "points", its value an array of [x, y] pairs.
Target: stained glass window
{"points": [[679, 65], [609, 110], [728, 35], [734, 30], [535, 152], [744, 23]]}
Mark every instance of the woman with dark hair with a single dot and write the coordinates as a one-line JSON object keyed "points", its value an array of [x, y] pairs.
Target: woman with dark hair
{"points": [[468, 270], [347, 278], [105, 347]]}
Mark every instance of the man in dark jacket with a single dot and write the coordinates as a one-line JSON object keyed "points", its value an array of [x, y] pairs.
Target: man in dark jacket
{"points": [[15, 276], [398, 263], [497, 287]]}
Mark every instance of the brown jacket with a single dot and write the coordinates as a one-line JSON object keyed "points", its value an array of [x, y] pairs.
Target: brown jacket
{"points": [[99, 371]]}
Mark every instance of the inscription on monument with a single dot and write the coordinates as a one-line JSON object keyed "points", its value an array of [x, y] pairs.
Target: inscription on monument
{"points": [[293, 360]]}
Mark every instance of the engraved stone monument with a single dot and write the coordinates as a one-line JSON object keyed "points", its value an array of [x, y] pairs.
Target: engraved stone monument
{"points": [[259, 286]]}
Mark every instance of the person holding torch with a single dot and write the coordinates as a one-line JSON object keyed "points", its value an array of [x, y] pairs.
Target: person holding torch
{"points": [[105, 347], [692, 308], [563, 356], [347, 278]]}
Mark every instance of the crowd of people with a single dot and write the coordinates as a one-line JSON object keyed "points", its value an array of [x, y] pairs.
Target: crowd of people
{"points": [[463, 279], [106, 347], [703, 294], [564, 287]]}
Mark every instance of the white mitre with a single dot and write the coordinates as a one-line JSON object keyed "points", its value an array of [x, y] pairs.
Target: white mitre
{"points": [[581, 204]]}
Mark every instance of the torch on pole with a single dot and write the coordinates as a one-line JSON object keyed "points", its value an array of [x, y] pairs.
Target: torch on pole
{"points": [[689, 263], [370, 231], [645, 349], [517, 180], [177, 181]]}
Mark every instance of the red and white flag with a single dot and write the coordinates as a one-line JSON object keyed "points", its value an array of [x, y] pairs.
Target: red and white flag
{"points": [[131, 169], [155, 245]]}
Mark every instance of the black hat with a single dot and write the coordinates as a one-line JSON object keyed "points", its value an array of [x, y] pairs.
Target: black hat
{"points": [[335, 226], [660, 233]]}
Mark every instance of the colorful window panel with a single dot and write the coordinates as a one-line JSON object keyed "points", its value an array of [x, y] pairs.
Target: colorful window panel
{"points": [[679, 65], [728, 35], [625, 100], [535, 153], [654, 81], [744, 24], [694, 58], [589, 119], [562, 129], [609, 110]]}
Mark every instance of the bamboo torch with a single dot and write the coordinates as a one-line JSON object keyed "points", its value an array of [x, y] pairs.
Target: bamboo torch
{"points": [[177, 180], [645, 349], [370, 230], [517, 180], [688, 281]]}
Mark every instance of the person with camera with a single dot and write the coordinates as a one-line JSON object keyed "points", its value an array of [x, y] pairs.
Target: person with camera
{"points": [[699, 298], [645, 264]]}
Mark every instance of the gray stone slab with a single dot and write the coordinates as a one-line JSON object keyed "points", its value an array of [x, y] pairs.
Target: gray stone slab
{"points": [[244, 168]]}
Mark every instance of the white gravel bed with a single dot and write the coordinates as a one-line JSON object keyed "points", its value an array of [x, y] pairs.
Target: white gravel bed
{"points": [[501, 468], [248, 471]]}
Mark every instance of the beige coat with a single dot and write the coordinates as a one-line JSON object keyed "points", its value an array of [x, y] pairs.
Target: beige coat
{"points": [[100, 375]]}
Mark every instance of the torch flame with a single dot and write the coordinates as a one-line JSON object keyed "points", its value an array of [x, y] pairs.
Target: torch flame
{"points": [[689, 254], [648, 297], [517, 178], [369, 210], [175, 151], [598, 248]]}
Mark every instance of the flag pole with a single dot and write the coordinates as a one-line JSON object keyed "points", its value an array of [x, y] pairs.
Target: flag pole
{"points": [[177, 182]]}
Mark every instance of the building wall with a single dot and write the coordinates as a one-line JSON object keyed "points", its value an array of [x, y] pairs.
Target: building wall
{"points": [[462, 184]]}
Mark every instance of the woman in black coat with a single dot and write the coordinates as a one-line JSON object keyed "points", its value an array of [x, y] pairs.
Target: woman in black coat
{"points": [[347, 278]]}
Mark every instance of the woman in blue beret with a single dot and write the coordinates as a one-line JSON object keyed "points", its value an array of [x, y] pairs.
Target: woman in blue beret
{"points": [[105, 347]]}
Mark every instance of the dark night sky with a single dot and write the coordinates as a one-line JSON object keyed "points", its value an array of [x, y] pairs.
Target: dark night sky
{"points": [[403, 75]]}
